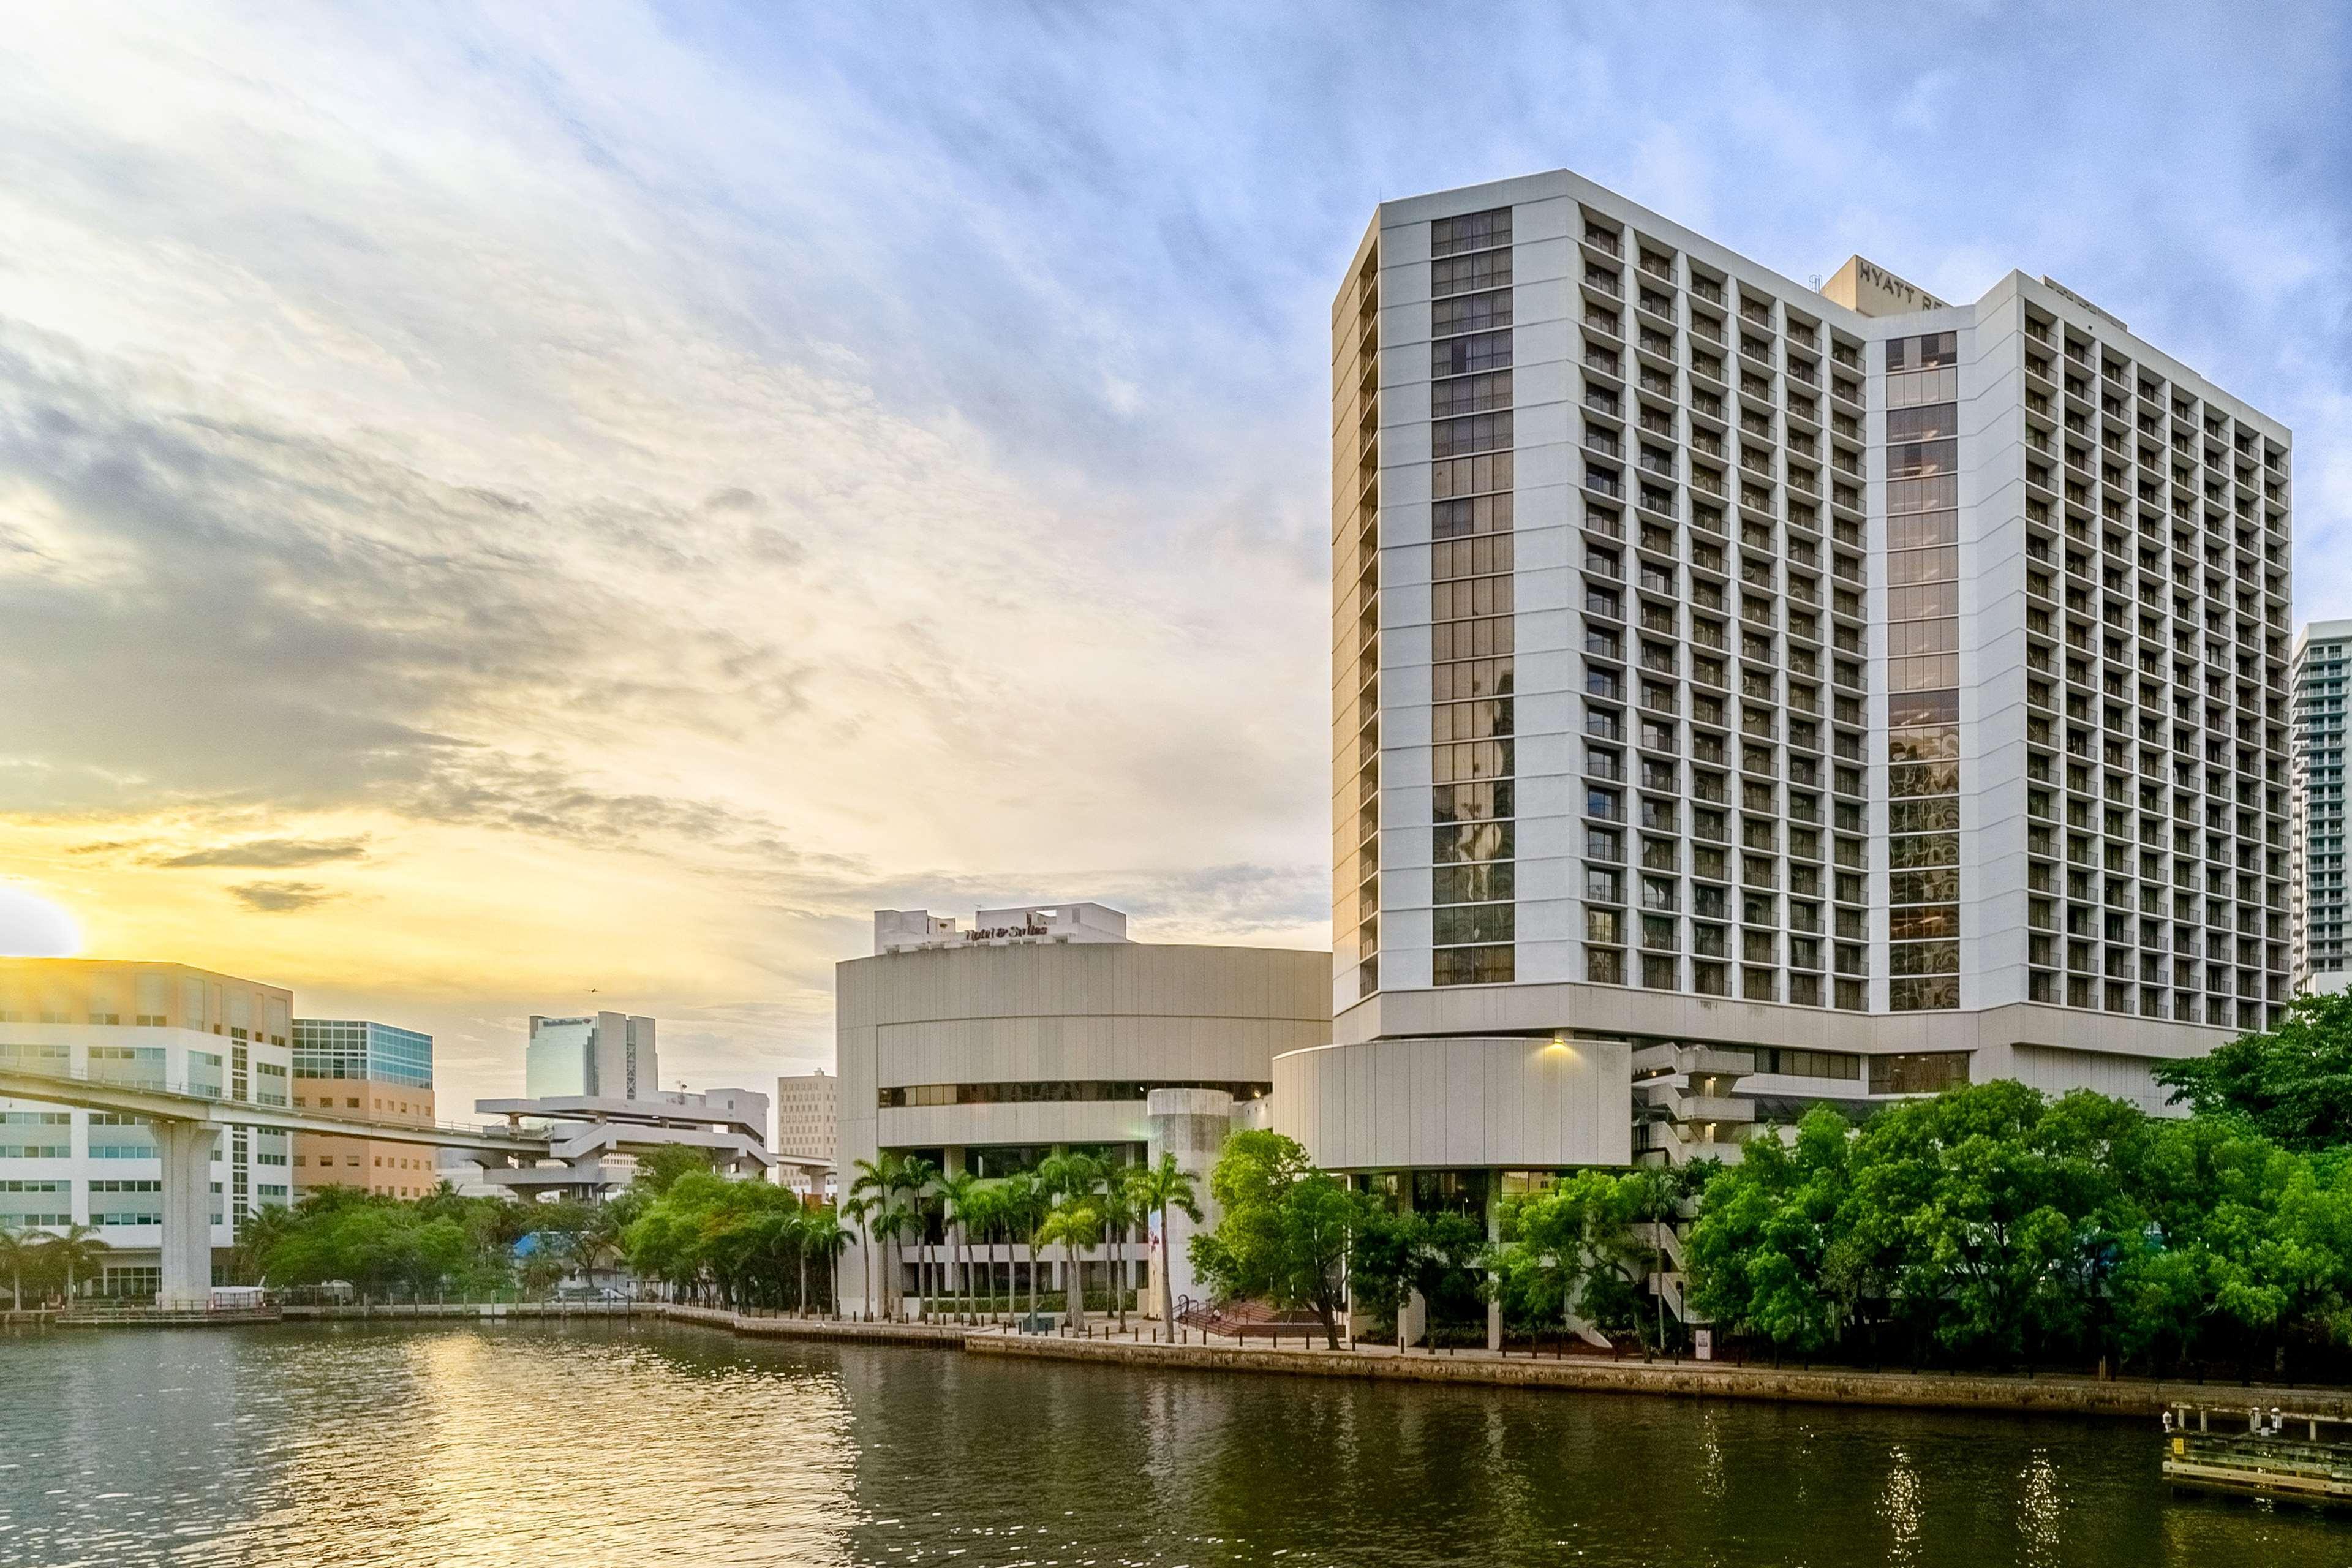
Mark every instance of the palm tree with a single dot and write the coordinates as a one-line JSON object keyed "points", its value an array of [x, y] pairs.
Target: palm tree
{"points": [[257, 1234], [1025, 1204], [1159, 1188], [894, 1224], [1077, 1224], [824, 1234], [77, 1249], [877, 1181], [1116, 1200], [1066, 1176], [16, 1251], [978, 1210], [916, 1178], [956, 1194], [860, 1210]]}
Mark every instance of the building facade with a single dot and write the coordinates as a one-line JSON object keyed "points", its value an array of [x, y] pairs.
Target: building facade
{"points": [[598, 1056], [987, 1056], [161, 1025], [595, 1142], [1842, 692], [355, 1067], [808, 1119], [2323, 656]]}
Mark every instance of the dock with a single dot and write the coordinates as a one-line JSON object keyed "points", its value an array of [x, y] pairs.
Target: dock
{"points": [[2282, 1455]]}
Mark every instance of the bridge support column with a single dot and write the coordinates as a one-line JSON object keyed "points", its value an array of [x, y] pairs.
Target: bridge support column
{"points": [[187, 1151]]}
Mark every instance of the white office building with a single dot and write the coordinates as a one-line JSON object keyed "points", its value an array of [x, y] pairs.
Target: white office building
{"points": [[598, 1056], [1824, 694], [2323, 657], [139, 1025]]}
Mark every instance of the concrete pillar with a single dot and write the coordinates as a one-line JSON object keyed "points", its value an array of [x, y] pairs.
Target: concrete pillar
{"points": [[186, 1148], [1495, 1233], [1192, 1124]]}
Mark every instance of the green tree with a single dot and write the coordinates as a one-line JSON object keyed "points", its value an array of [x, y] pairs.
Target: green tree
{"points": [[257, 1233], [16, 1249], [1764, 1254], [77, 1252], [1027, 1202], [824, 1236], [1284, 1231], [1077, 1224], [666, 1163], [1160, 1190], [859, 1210], [959, 1195], [2291, 1084], [1570, 1251], [1115, 1201]]}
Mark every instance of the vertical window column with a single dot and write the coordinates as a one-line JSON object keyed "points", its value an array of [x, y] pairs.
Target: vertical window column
{"points": [[1923, 704], [1472, 769]]}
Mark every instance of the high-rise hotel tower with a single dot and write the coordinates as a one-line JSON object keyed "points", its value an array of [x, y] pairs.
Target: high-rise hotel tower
{"points": [[1866, 691]]}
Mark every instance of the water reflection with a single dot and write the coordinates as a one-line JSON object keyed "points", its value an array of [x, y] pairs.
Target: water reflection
{"points": [[553, 1447]]}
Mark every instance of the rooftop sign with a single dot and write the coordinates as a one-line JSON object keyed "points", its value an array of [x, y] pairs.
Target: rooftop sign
{"points": [[1870, 290]]}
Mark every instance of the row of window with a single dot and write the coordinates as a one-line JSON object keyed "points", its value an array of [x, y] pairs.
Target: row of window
{"points": [[1054, 1091]]}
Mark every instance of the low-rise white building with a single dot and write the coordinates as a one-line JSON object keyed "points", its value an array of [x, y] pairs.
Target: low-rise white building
{"points": [[595, 1142], [1044, 1028]]}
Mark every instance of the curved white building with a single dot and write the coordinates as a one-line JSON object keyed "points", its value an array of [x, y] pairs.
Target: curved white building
{"points": [[1044, 1028]]}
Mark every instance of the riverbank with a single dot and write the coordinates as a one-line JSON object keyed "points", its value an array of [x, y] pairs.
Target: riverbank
{"points": [[2051, 1394], [2130, 1399]]}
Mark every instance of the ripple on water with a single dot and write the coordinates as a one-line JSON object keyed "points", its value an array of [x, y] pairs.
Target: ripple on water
{"points": [[545, 1446]]}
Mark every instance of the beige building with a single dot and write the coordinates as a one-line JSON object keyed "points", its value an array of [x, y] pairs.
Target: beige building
{"points": [[808, 1116], [349, 1066]]}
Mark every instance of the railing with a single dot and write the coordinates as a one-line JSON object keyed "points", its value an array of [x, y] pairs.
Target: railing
{"points": [[186, 1089]]}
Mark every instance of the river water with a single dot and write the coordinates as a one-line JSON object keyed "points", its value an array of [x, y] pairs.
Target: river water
{"points": [[548, 1446]]}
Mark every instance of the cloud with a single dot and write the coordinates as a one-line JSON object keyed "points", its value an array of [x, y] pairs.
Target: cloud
{"points": [[280, 898], [270, 853], [668, 484]]}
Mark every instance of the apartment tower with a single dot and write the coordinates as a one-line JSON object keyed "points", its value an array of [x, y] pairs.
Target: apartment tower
{"points": [[1725, 664], [2322, 655]]}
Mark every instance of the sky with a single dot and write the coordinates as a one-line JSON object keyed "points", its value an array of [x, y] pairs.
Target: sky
{"points": [[511, 509]]}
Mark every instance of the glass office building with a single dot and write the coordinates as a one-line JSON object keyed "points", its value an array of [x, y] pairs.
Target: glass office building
{"points": [[347, 1048]]}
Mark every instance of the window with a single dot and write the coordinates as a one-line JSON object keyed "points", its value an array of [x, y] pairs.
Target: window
{"points": [[1924, 1072], [1472, 231]]}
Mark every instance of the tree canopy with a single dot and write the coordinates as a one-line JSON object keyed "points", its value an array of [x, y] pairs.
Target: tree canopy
{"points": [[2291, 1084]]}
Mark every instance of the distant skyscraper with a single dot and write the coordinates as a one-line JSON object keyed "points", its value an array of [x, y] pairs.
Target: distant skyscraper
{"points": [[605, 1056], [2320, 667], [1719, 660]]}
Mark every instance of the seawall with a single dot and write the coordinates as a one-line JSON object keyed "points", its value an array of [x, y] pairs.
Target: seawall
{"points": [[2048, 1395]]}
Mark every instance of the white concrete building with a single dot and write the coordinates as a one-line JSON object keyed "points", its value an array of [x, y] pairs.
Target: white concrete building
{"points": [[147, 1026], [1833, 693], [601, 1055], [595, 1142], [2323, 657], [985, 1053]]}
